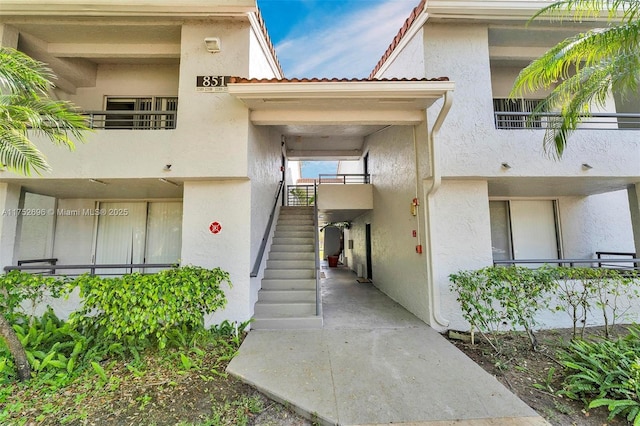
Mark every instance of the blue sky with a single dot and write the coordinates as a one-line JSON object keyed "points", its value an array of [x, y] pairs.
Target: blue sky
{"points": [[332, 38]]}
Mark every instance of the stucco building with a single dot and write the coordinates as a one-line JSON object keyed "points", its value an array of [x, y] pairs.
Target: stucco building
{"points": [[195, 122]]}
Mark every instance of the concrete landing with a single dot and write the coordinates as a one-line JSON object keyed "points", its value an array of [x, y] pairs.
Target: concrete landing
{"points": [[374, 363]]}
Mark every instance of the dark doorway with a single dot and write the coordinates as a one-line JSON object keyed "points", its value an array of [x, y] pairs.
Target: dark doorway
{"points": [[368, 249], [366, 167]]}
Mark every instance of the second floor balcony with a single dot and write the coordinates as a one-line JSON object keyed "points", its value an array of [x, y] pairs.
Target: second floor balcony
{"points": [[131, 120], [339, 197], [135, 113], [512, 114]]}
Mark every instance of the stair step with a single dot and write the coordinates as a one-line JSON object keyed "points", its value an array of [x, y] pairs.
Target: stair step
{"points": [[289, 284], [291, 323], [287, 296], [294, 228], [295, 221], [300, 216], [295, 209], [289, 273], [292, 255], [295, 234], [284, 310], [301, 248], [291, 264], [280, 241]]}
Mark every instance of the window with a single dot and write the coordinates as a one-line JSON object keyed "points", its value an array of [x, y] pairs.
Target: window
{"points": [[522, 109], [138, 232], [524, 229], [130, 114]]}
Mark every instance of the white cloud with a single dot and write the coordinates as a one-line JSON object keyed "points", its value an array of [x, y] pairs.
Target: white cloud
{"points": [[344, 46]]}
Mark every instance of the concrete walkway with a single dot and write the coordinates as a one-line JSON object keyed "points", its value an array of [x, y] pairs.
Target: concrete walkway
{"points": [[374, 363]]}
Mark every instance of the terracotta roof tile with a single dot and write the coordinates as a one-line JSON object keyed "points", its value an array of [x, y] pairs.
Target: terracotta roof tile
{"points": [[327, 80], [263, 27], [396, 40]]}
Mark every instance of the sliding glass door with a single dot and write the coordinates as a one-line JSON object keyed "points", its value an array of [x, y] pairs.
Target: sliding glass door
{"points": [[524, 229], [138, 232]]}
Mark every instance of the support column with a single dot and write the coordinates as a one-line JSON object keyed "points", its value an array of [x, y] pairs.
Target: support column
{"points": [[633, 192], [8, 36], [9, 200], [226, 245]]}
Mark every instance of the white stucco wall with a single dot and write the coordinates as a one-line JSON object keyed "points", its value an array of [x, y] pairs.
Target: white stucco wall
{"points": [[596, 223], [351, 167], [264, 171], [136, 80], [210, 139], [352, 196], [461, 233], [397, 269], [472, 147], [410, 63], [259, 66], [229, 203], [472, 151]]}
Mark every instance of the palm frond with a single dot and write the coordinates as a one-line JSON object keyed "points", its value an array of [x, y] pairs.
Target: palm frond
{"points": [[578, 10], [26, 109], [583, 70], [575, 97], [21, 74], [583, 50], [19, 154]]}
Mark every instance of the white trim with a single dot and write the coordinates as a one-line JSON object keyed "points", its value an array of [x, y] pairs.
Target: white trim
{"points": [[342, 89], [169, 8], [493, 10], [322, 116], [265, 45]]}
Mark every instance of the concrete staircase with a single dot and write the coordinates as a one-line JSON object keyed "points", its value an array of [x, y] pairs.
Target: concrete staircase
{"points": [[287, 299]]}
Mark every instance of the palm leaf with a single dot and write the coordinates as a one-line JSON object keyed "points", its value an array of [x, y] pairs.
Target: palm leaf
{"points": [[18, 153], [583, 70], [19, 73]]}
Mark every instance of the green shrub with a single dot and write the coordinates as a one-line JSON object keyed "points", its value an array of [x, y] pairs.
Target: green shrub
{"points": [[605, 373], [138, 309], [496, 296], [581, 291], [478, 305], [17, 287]]}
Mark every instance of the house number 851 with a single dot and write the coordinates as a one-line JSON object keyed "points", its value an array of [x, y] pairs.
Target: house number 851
{"points": [[211, 81]]}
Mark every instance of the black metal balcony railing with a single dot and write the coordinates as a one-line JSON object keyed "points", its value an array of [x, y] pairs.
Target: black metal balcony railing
{"points": [[131, 120], [301, 195], [513, 120], [622, 264], [51, 267]]}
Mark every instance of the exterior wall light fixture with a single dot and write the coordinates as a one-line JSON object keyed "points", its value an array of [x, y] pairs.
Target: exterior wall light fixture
{"points": [[587, 166], [506, 165], [213, 44]]}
